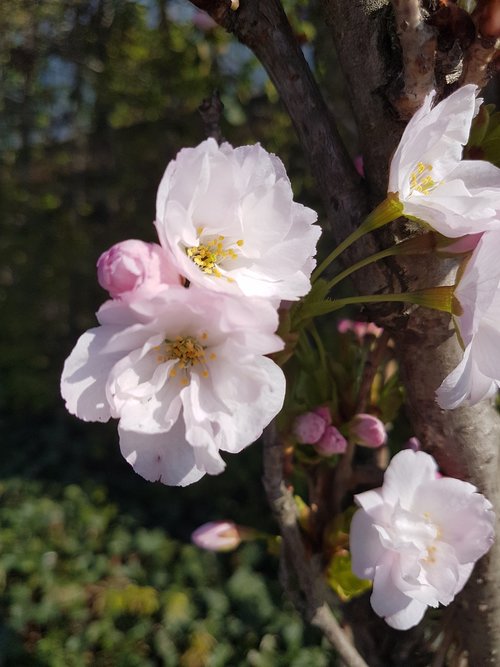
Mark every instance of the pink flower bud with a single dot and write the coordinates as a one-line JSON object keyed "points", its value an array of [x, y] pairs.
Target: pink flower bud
{"points": [[132, 265], [324, 412], [332, 442], [308, 428], [217, 536], [367, 430], [359, 329], [413, 444]]}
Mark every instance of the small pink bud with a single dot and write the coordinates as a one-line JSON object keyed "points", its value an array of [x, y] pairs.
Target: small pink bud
{"points": [[332, 442], [414, 444], [217, 536], [324, 412], [308, 428], [359, 329], [367, 430], [132, 265]]}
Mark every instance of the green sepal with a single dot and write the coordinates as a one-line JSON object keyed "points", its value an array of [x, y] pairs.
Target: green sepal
{"points": [[317, 294]]}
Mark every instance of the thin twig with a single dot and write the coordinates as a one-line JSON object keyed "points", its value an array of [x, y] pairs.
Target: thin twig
{"points": [[306, 571], [418, 45], [371, 367], [210, 111]]}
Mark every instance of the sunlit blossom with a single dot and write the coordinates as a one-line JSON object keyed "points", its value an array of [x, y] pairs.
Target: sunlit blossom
{"points": [[454, 196], [228, 217], [184, 373]]}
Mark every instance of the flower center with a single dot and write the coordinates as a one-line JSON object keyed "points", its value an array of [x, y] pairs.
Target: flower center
{"points": [[209, 255], [421, 180], [188, 351]]}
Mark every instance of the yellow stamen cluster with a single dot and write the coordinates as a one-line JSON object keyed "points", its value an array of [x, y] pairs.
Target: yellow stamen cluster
{"points": [[188, 351], [421, 180], [208, 256], [431, 555]]}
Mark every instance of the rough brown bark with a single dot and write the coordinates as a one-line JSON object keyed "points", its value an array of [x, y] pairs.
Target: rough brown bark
{"points": [[418, 45]]}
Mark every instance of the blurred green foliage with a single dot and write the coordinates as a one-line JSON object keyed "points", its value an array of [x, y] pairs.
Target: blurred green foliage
{"points": [[83, 584], [96, 96]]}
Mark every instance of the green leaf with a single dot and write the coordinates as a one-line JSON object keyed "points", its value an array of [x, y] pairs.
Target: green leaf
{"points": [[342, 579]]}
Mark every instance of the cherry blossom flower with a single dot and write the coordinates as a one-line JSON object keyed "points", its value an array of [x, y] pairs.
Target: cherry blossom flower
{"points": [[228, 217], [477, 375], [429, 177], [130, 266], [417, 538], [217, 536], [185, 374]]}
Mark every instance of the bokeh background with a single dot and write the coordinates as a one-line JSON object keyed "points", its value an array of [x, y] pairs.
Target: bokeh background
{"points": [[96, 565]]}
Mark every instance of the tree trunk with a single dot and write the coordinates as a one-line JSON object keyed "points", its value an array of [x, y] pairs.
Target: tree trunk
{"points": [[464, 441]]}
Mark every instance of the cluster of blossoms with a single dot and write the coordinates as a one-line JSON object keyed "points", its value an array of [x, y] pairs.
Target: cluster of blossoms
{"points": [[457, 198], [179, 356], [180, 353]]}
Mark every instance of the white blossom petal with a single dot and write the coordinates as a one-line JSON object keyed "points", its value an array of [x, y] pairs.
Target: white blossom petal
{"points": [[83, 381], [161, 457], [407, 472], [365, 544], [464, 385]]}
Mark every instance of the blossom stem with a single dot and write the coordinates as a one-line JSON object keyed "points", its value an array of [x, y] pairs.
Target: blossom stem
{"points": [[413, 246], [319, 343], [390, 209], [437, 298]]}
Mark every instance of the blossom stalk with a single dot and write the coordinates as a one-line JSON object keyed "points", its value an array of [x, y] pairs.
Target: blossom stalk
{"points": [[387, 211]]}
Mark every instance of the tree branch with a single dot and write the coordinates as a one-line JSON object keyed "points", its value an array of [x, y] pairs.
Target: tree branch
{"points": [[418, 44], [479, 60], [210, 111], [305, 570]]}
